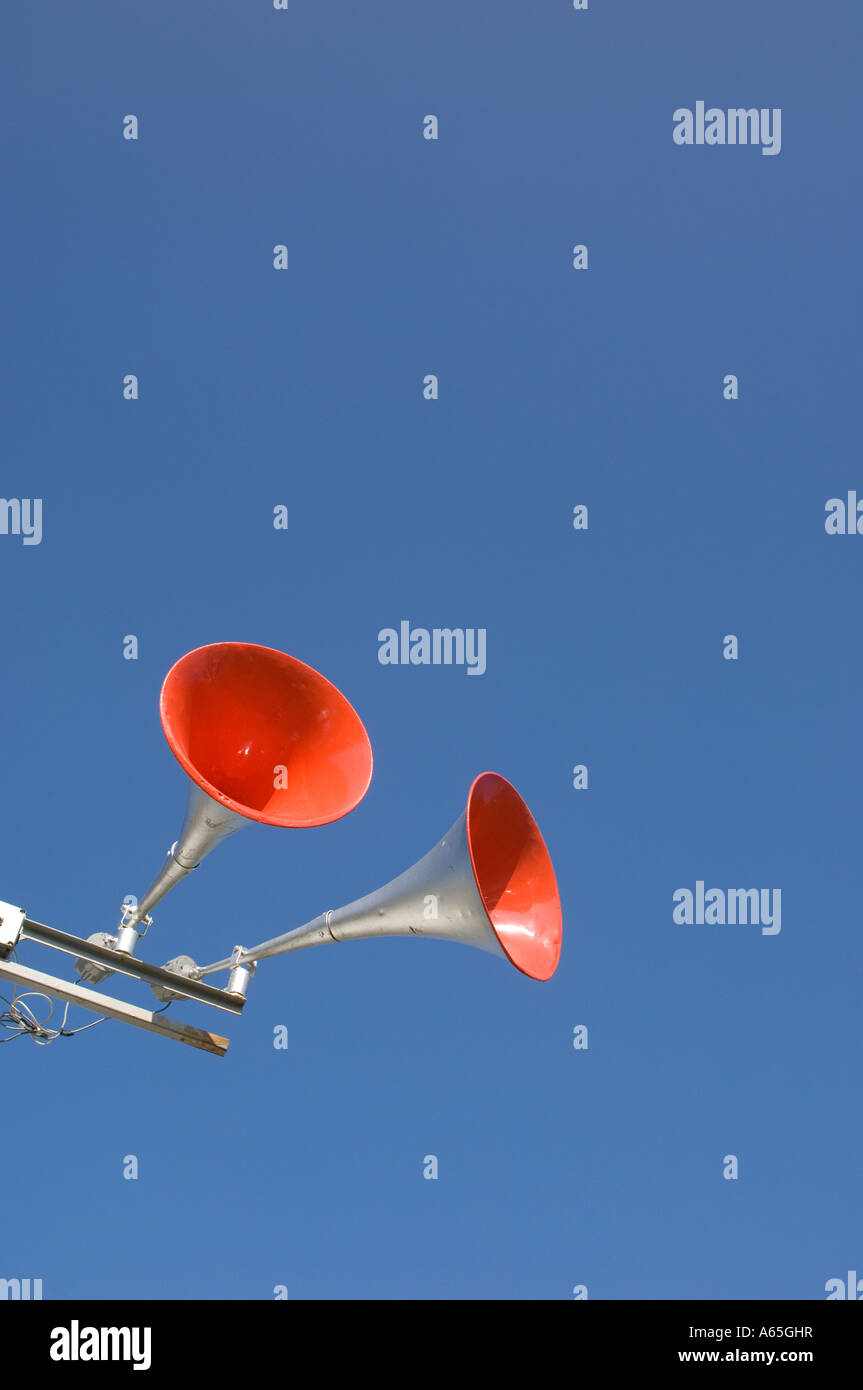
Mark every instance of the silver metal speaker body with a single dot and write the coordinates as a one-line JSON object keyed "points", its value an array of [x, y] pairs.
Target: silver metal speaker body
{"points": [[437, 898]]}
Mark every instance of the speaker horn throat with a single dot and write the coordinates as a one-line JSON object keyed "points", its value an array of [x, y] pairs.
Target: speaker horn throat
{"points": [[207, 824]]}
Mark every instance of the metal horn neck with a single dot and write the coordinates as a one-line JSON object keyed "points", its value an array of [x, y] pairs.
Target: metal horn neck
{"points": [[207, 824]]}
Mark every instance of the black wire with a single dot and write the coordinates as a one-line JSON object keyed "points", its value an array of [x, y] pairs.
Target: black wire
{"points": [[28, 1027]]}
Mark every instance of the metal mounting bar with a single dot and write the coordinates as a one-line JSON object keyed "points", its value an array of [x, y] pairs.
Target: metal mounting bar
{"points": [[115, 1008], [127, 965]]}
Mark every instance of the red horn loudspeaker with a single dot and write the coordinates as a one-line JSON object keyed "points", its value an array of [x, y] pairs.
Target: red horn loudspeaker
{"points": [[262, 737], [488, 883]]}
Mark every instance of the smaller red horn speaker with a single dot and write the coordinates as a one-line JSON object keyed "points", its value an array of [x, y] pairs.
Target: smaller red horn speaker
{"points": [[262, 737]]}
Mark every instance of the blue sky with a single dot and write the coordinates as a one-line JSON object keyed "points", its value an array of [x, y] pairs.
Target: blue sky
{"points": [[557, 1167]]}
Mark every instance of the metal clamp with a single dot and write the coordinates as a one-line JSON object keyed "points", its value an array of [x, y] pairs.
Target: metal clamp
{"points": [[145, 922]]}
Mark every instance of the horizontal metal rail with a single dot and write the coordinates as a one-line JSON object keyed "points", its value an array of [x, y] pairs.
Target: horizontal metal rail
{"points": [[122, 964]]}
